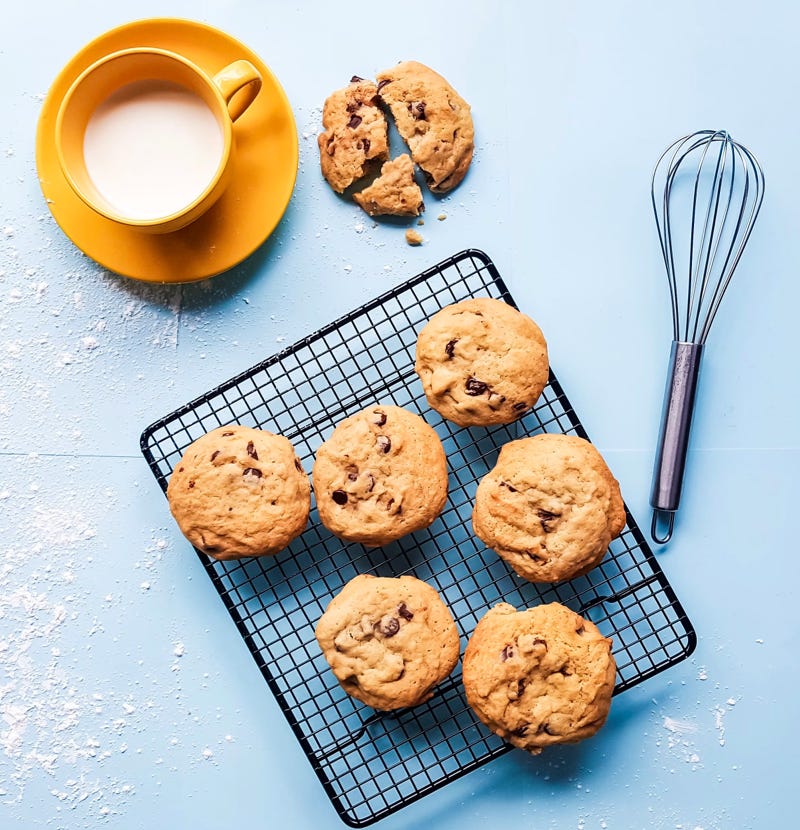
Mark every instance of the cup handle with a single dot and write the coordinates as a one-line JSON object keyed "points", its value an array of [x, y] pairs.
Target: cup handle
{"points": [[236, 76]]}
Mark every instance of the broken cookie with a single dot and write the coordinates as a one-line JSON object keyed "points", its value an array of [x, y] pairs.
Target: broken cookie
{"points": [[394, 192], [355, 134], [433, 119]]}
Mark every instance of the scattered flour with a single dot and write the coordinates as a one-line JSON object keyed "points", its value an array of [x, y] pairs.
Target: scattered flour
{"points": [[67, 731]]}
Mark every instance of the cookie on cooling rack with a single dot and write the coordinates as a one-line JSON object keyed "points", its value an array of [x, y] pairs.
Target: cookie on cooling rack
{"points": [[239, 492], [380, 475], [394, 193], [481, 362], [388, 640], [539, 677], [550, 507], [433, 119], [355, 134]]}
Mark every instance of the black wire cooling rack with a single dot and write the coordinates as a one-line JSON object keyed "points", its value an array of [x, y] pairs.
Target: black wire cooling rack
{"points": [[370, 763]]}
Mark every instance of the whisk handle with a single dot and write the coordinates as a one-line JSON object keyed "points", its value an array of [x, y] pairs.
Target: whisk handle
{"points": [[673, 439]]}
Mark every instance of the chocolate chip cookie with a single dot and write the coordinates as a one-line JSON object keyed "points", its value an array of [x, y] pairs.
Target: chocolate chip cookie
{"points": [[481, 362], [388, 640], [355, 134], [539, 677], [395, 192], [239, 492], [380, 475], [550, 507], [433, 119]]}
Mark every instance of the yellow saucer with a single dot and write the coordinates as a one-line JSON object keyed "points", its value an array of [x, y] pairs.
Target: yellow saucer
{"points": [[265, 167]]}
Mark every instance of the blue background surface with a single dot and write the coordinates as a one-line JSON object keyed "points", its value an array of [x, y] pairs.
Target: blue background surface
{"points": [[127, 698]]}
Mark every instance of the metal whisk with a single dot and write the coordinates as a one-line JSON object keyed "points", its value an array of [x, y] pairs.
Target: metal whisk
{"points": [[707, 191]]}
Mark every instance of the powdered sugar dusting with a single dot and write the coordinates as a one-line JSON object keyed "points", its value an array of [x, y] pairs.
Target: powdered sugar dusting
{"points": [[68, 730]]}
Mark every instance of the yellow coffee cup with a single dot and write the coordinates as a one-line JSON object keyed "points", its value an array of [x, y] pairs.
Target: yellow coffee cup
{"points": [[144, 136]]}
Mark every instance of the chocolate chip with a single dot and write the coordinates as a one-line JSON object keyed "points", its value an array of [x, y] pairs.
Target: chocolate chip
{"points": [[388, 626], [298, 465], [417, 110], [339, 496], [371, 482], [507, 653], [403, 611], [389, 504], [214, 454], [520, 406], [544, 728], [520, 730], [354, 121], [352, 472], [380, 417], [355, 79], [581, 628], [252, 471], [363, 145], [546, 516], [251, 450], [384, 442], [520, 687], [538, 641], [508, 487], [449, 349], [382, 84], [535, 556], [180, 469], [226, 433], [191, 484], [475, 387]]}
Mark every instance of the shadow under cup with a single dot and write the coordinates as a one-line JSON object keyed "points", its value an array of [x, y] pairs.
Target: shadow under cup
{"points": [[95, 86]]}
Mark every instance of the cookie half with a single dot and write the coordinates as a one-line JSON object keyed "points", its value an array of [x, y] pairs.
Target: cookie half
{"points": [[539, 677], [355, 134], [394, 193], [433, 119], [550, 507], [380, 475], [388, 640], [481, 362], [240, 492]]}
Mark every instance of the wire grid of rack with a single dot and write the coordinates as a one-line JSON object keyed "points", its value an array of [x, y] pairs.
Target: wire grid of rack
{"points": [[370, 763]]}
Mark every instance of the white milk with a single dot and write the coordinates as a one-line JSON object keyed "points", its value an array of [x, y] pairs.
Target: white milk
{"points": [[151, 148]]}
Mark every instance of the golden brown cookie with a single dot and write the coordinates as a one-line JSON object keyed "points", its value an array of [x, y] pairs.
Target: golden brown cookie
{"points": [[394, 193], [388, 640], [481, 362], [239, 492], [434, 120], [380, 475], [539, 677], [355, 134], [550, 507]]}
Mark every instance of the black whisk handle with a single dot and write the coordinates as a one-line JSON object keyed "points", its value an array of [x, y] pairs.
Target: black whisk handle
{"points": [[673, 439]]}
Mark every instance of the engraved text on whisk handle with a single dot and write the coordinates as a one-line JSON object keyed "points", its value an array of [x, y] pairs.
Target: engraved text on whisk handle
{"points": [[676, 423]]}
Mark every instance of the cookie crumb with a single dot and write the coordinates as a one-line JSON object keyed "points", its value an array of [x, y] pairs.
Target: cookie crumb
{"points": [[441, 217], [413, 237], [420, 221]]}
